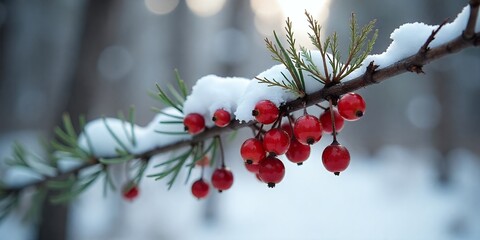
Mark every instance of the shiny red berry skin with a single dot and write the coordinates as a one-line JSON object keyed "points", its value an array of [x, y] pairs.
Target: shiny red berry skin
{"points": [[335, 158], [200, 189], [252, 151], [253, 168], [276, 141], [271, 171], [307, 129], [297, 152], [194, 123], [130, 192], [351, 106], [326, 121], [221, 118], [265, 112], [222, 179]]}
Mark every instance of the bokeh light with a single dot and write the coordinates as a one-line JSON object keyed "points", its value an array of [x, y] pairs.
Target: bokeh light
{"points": [[205, 8], [115, 62], [424, 111], [270, 14], [161, 7]]}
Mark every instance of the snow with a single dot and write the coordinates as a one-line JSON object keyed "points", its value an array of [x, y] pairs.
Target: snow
{"points": [[239, 95], [213, 92], [104, 144], [408, 38], [390, 195]]}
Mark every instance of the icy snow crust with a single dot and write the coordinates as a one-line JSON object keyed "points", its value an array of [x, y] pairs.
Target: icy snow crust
{"points": [[239, 95]]}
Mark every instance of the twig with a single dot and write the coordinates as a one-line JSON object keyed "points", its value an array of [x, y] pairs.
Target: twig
{"points": [[469, 32]]}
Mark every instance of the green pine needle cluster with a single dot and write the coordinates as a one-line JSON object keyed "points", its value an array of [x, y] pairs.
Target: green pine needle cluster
{"points": [[300, 62], [188, 159]]}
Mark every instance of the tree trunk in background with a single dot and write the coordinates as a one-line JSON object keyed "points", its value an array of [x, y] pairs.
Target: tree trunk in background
{"points": [[79, 94]]}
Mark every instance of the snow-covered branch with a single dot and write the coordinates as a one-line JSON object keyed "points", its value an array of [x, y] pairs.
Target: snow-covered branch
{"points": [[414, 46]]}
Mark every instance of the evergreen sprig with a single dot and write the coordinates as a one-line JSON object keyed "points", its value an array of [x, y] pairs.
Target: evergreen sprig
{"points": [[333, 70], [173, 97], [195, 153]]}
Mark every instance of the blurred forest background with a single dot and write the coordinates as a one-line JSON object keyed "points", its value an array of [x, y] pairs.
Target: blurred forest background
{"points": [[98, 57]]}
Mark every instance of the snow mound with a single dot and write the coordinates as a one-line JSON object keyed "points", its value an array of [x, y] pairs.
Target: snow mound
{"points": [[213, 92]]}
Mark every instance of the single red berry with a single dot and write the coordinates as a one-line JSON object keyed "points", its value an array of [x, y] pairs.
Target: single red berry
{"points": [[203, 162], [265, 112], [222, 179], [130, 191], [271, 171], [307, 129], [297, 152], [287, 127], [194, 123], [221, 118], [252, 151], [326, 121], [351, 106], [200, 189], [335, 158], [253, 168], [276, 141]]}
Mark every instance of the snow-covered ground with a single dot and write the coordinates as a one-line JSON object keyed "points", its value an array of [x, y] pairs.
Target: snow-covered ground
{"points": [[391, 195]]}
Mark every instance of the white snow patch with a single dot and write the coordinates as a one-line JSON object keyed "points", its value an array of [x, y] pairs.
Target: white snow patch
{"points": [[104, 144], [212, 92]]}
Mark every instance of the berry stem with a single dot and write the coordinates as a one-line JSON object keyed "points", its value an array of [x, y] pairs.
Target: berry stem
{"points": [[334, 130], [259, 132], [320, 106]]}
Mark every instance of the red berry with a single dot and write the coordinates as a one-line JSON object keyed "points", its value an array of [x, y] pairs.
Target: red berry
{"points": [[265, 112], [130, 191], [194, 123], [326, 121], [252, 151], [276, 141], [307, 129], [200, 188], [287, 127], [221, 118], [222, 179], [297, 152], [351, 106], [271, 171], [335, 158], [253, 168]]}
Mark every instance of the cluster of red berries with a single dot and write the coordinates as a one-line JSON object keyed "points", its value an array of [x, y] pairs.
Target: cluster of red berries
{"points": [[222, 179], [195, 123], [292, 139]]}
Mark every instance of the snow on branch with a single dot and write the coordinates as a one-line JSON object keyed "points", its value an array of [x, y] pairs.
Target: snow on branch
{"points": [[109, 141]]}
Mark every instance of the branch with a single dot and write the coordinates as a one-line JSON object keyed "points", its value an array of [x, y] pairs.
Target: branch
{"points": [[371, 76]]}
